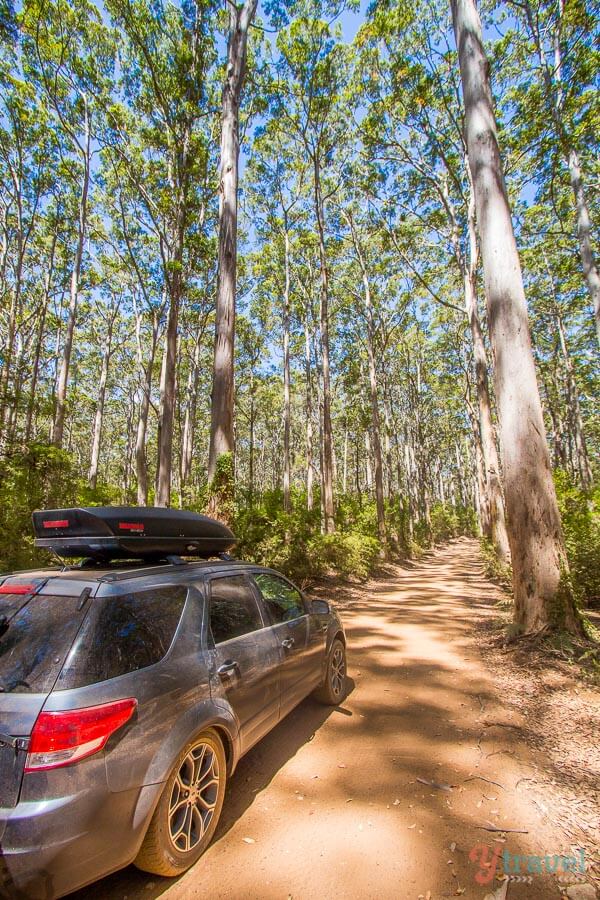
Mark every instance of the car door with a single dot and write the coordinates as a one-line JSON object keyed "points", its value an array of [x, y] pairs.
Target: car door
{"points": [[287, 611], [245, 656]]}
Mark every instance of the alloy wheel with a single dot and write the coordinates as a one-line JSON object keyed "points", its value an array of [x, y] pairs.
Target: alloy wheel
{"points": [[193, 797], [338, 670]]}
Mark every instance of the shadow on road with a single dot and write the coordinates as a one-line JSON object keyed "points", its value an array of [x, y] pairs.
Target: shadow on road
{"points": [[254, 773]]}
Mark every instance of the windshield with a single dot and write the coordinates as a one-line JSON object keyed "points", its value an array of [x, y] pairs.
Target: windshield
{"points": [[36, 634]]}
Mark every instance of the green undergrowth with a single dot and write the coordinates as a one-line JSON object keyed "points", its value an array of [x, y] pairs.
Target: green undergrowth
{"points": [[580, 515], [496, 570], [581, 655], [40, 476], [293, 542]]}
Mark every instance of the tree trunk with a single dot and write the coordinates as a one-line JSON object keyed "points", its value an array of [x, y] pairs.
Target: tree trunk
{"points": [[542, 599], [221, 424], [287, 415], [141, 465], [590, 269], [99, 418], [554, 92], [35, 374], [327, 435], [345, 461], [495, 500], [174, 282], [189, 423], [309, 419], [581, 455], [63, 377]]}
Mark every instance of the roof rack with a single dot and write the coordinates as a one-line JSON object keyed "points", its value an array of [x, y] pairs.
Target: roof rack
{"points": [[111, 577], [104, 533]]}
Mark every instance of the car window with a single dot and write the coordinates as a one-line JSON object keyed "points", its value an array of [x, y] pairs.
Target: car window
{"points": [[35, 636], [234, 609], [284, 602], [122, 634]]}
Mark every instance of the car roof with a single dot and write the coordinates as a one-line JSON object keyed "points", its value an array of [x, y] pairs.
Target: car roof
{"points": [[117, 577]]}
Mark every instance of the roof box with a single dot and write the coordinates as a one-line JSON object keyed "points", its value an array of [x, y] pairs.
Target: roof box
{"points": [[129, 532]]}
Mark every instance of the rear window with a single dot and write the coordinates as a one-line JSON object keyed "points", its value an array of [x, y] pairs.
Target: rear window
{"points": [[122, 634], [35, 636]]}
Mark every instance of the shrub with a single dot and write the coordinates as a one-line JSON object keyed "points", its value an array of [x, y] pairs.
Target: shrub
{"points": [[349, 553], [580, 512], [38, 476]]}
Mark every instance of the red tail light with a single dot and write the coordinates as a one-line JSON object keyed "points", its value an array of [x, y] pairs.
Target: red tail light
{"points": [[62, 738], [18, 588], [55, 523], [131, 526]]}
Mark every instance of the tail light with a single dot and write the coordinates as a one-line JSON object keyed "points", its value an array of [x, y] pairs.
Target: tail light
{"points": [[62, 738], [17, 588]]}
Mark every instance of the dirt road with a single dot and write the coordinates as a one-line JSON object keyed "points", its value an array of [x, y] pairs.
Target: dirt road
{"points": [[335, 803]]}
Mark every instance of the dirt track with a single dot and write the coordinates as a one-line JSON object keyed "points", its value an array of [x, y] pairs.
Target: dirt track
{"points": [[331, 800]]}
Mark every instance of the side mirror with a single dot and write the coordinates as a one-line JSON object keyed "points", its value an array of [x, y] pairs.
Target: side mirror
{"points": [[320, 607]]}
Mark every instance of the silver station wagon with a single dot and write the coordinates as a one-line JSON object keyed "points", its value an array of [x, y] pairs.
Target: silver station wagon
{"points": [[132, 682]]}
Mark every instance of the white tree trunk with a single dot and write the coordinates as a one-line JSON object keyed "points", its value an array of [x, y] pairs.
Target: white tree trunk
{"points": [[58, 425], [287, 414], [222, 403], [534, 528]]}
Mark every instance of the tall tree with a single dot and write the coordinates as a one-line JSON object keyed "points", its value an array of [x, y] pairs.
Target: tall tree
{"points": [[222, 401], [542, 597]]}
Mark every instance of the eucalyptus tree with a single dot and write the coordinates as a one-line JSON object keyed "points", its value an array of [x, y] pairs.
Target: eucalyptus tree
{"points": [[312, 70], [68, 57], [222, 406], [28, 162], [555, 110], [414, 127], [367, 249], [155, 140], [276, 191], [542, 598]]}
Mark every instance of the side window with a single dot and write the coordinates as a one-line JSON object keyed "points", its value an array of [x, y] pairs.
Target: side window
{"points": [[234, 609], [284, 601], [122, 634]]}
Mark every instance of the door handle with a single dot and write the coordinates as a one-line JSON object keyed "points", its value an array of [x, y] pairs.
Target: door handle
{"points": [[228, 668], [288, 643]]}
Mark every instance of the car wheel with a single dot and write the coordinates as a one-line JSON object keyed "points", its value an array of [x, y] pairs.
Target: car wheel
{"points": [[333, 689], [188, 811]]}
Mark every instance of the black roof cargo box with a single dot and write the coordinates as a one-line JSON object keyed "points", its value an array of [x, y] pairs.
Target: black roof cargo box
{"points": [[129, 532]]}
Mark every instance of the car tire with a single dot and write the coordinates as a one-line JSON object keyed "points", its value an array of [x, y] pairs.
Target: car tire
{"points": [[188, 811], [333, 689]]}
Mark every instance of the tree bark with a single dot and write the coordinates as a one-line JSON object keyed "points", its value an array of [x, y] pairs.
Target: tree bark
{"points": [[373, 386], [327, 435], [222, 402], [189, 423], [99, 417], [63, 377], [584, 228], [583, 463], [141, 464], [287, 414], [542, 599], [497, 520], [309, 419], [167, 398], [554, 91]]}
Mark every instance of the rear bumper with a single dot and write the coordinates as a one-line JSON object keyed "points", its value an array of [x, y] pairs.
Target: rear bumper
{"points": [[52, 847]]}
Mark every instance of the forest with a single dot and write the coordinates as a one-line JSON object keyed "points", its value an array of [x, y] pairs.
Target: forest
{"points": [[326, 270]]}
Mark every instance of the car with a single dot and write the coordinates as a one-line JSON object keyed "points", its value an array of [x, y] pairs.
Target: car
{"points": [[131, 687]]}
